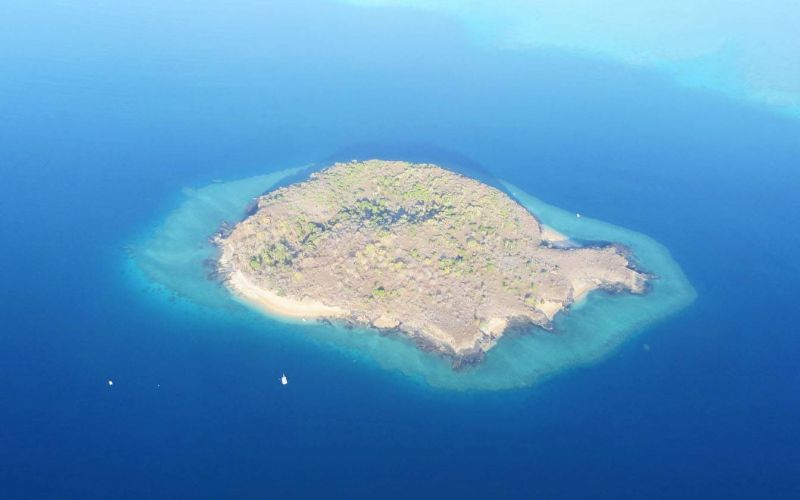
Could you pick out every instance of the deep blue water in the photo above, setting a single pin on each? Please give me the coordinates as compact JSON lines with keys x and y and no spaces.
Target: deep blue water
{"x":107,"y":112}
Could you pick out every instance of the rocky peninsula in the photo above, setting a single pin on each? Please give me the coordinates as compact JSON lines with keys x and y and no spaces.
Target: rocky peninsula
{"x":416,"y":249}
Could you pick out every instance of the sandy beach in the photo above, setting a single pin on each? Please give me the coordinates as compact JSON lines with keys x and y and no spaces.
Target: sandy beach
{"x":272,"y":303}
{"x":316,"y":249}
{"x":551,"y":235}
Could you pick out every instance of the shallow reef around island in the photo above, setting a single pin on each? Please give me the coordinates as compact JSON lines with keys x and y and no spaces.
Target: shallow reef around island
{"x":176,"y":255}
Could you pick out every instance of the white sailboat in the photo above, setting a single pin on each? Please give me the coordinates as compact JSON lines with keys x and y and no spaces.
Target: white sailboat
{"x":284,"y":380}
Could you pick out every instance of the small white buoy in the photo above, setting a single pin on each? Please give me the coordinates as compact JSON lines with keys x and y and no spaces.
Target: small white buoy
{"x":110,"y":382}
{"x":578,"y":215}
{"x":284,"y":380}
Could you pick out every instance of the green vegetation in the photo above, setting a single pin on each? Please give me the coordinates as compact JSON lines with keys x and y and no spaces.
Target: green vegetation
{"x":277,"y":254}
{"x":417,"y":193}
{"x":530,"y":297}
{"x":453,"y":265}
{"x":413,"y":245}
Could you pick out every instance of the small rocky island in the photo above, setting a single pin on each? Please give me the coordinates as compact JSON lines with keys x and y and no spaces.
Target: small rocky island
{"x":413,"y":248}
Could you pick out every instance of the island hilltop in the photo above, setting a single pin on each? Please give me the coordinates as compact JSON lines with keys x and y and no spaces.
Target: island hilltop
{"x":414,"y":248}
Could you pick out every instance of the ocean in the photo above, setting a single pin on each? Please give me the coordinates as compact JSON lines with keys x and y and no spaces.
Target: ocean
{"x":114,"y":117}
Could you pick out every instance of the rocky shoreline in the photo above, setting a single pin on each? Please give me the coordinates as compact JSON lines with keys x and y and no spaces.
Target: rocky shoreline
{"x":412,"y":250}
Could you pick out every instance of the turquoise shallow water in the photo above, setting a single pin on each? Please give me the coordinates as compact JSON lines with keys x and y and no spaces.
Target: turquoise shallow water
{"x":741,"y":49}
{"x":110,"y":109}
{"x":176,"y":257}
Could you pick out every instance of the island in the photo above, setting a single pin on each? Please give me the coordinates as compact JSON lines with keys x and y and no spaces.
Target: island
{"x":415,"y":249}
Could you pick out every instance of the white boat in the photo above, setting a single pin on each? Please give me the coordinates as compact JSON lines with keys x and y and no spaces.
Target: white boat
{"x":284,"y":380}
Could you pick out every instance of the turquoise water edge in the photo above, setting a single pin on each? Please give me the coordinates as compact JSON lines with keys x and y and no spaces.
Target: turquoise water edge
{"x":110,"y":109}
{"x":176,"y":256}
